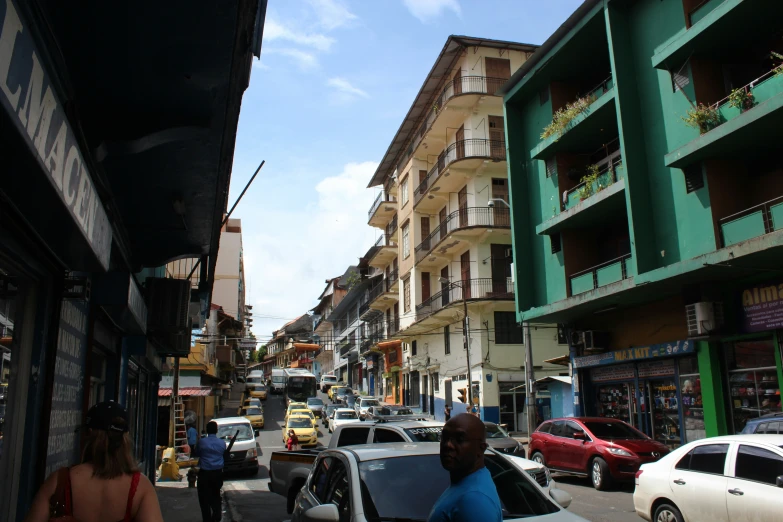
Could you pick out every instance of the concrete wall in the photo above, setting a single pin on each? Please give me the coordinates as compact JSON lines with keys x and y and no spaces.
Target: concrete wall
{"x":226,"y":290}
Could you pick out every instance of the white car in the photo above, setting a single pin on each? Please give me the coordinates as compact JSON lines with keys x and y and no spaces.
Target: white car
{"x":732,"y":478}
{"x":341,"y":416}
{"x":363,"y":404}
{"x":403,"y":480}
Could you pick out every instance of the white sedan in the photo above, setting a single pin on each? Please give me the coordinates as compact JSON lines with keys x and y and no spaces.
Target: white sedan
{"x":733,"y":478}
{"x":341,"y":416}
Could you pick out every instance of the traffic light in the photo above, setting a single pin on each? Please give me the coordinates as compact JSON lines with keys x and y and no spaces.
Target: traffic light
{"x":463,"y":395}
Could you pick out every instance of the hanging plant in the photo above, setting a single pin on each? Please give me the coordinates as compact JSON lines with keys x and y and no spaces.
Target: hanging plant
{"x":779,"y":67}
{"x":741,"y":99}
{"x":590,"y":183}
{"x":564,"y":115}
{"x":702,"y":117}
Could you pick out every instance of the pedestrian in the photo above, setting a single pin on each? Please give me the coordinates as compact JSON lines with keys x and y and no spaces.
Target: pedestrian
{"x":107,"y":486}
{"x":447,"y":412}
{"x":211,"y":451}
{"x":472,"y":494}
{"x":475,"y":410}
{"x":192,"y":437}
{"x":293,"y":440}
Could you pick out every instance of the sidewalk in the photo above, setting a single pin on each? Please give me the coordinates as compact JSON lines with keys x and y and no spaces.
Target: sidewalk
{"x":179,"y":503}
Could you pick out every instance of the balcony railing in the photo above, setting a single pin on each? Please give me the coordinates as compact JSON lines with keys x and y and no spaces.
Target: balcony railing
{"x":599,"y":90}
{"x":345,"y":346}
{"x":752,"y":222}
{"x":383,"y":197}
{"x":761,"y":89}
{"x":393,"y":327}
{"x":391,"y":279}
{"x":459,"y":150}
{"x":375,"y":292}
{"x":610,"y":171}
{"x":601,"y":275}
{"x":391,"y":227}
{"x":481,"y":288}
{"x":463,"y":218}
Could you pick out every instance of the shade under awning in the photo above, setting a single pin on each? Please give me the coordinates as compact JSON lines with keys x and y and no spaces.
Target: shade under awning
{"x":307,"y":347}
{"x":195,"y":391}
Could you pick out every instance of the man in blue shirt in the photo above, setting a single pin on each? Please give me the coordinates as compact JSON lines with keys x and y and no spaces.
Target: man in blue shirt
{"x":210,"y":451}
{"x":472,"y":494}
{"x":192,"y":437}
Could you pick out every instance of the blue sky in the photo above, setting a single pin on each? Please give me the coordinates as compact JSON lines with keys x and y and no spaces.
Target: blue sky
{"x":335,"y":79}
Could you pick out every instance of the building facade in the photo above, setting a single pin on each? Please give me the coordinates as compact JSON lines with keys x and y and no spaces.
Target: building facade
{"x":329,"y":298}
{"x":229,"y":288}
{"x":444,"y":211}
{"x":645,"y":185}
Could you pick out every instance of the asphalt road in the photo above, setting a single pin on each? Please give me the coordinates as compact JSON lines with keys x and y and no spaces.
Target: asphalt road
{"x":252,"y":500}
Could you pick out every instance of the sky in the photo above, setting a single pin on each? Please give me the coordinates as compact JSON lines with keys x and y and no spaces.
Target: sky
{"x":335,"y":80}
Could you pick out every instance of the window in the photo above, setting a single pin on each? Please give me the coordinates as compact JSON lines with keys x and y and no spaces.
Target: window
{"x":681,"y":78}
{"x":561,"y":334}
{"x":518,"y":495}
{"x":406,"y":294}
{"x":570,"y":428}
{"x":351,"y":436}
{"x":551,"y":167}
{"x":413,"y":347}
{"x":558,"y":428}
{"x":758,"y":465}
{"x":545,"y":428}
{"x":404,"y":191}
{"x":318,"y":482}
{"x":447,"y":339}
{"x":506,"y":329}
{"x":555,"y":243}
{"x":694,"y":179}
{"x":406,"y":241}
{"x":338,"y":490}
{"x":383,"y":435}
{"x":435,"y":383}
{"x":709,"y":458}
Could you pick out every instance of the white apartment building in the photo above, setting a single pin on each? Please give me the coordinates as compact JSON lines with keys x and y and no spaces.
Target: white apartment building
{"x":229,"y":288}
{"x":444,"y":210}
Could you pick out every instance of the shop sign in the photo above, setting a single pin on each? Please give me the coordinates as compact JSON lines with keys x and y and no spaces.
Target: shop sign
{"x":68,"y":386}
{"x":663,"y":368}
{"x":762,"y":308}
{"x":370,"y":364}
{"x":635,"y":354}
{"x":614,"y":373}
{"x":33,"y":106}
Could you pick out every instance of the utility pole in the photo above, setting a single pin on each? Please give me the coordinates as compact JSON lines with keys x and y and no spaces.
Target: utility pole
{"x":174,"y":395}
{"x":530,"y":394}
{"x":466,"y":342}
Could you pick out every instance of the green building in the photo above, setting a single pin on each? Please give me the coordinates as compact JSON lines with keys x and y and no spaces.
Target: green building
{"x":655,"y":241}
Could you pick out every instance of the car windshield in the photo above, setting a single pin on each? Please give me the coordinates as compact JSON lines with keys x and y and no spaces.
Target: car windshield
{"x":345,"y":415}
{"x":227,"y":431}
{"x":495,"y":432}
{"x":613,"y":430}
{"x":371,"y":402}
{"x":425,"y":434}
{"x":300,"y":423}
{"x":253,"y":411}
{"x":402,"y":411}
{"x":315,"y":402}
{"x":329,"y":379}
{"x":420,"y":480}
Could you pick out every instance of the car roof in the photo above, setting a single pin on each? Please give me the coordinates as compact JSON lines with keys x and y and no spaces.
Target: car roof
{"x":762,"y":438}
{"x":231,"y":420}
{"x":766,"y":418}
{"x":346,"y":409}
{"x":366,"y":452}
{"x":586,"y":419}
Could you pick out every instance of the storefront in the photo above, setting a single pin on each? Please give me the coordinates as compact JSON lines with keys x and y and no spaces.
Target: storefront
{"x":392,"y":377}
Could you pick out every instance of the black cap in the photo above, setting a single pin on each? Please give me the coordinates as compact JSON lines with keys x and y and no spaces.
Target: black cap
{"x":104,"y":415}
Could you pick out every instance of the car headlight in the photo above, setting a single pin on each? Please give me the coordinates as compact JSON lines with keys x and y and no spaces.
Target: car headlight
{"x":620,"y":452}
{"x":251,"y":454}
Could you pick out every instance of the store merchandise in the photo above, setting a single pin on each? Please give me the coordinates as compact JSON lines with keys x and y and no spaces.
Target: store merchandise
{"x":666,"y":417}
{"x":692,"y":408}
{"x":613,"y":402}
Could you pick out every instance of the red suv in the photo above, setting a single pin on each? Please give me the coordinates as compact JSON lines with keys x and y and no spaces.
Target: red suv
{"x":603,"y":449}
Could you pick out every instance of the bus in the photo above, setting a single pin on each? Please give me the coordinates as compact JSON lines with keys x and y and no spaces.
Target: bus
{"x":300,"y":385}
{"x":278,"y":380}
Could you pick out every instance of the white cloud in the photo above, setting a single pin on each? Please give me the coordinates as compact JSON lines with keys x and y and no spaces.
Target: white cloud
{"x":293,"y":252}
{"x":331,"y":14}
{"x":306,"y":61}
{"x":274,"y":30}
{"x":258,"y":64}
{"x":426,"y":10}
{"x":345,"y":87}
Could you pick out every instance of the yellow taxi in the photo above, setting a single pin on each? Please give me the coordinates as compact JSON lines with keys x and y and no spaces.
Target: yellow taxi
{"x":257,"y":390}
{"x":294,"y":406}
{"x":249,"y":403}
{"x":333,"y":390}
{"x":304,"y":412}
{"x":255,"y":415}
{"x":304,"y":429}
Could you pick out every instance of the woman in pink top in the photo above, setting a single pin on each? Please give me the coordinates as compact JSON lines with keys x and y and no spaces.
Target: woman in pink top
{"x":107,"y":485}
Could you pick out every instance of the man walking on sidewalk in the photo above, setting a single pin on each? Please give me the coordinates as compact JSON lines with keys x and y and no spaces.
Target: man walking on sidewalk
{"x":210,"y":451}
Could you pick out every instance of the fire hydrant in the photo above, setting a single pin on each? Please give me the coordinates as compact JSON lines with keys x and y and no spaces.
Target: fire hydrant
{"x":192,"y":475}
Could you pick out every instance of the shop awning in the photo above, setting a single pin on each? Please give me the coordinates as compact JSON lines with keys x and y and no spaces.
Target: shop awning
{"x":186,"y":392}
{"x":306,"y":347}
{"x":554,"y":378}
{"x":562,"y":360}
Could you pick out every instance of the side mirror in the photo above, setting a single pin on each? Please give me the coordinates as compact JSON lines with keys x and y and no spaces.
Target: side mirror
{"x":563,"y":498}
{"x":580,"y":435}
{"x":779,"y":481}
{"x":322,"y":513}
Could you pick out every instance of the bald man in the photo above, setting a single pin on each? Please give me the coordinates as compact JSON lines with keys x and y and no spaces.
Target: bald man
{"x":472,"y":494}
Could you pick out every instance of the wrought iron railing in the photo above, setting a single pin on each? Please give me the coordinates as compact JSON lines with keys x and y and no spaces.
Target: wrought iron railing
{"x":497,"y":217}
{"x":752,"y":222}
{"x":747,"y":88}
{"x":459,"y":150}
{"x":607,"y":175}
{"x":599,"y":90}
{"x":393,"y":327}
{"x":375,"y":292}
{"x":600,"y":275}
{"x":383,"y":197}
{"x":391,"y":279}
{"x":470,"y":289}
{"x":391,"y":227}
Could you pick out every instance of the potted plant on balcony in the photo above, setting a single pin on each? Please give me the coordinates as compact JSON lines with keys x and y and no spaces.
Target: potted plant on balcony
{"x":779,"y":67}
{"x":591,"y":185}
{"x":703,"y":117}
{"x":741,"y":99}
{"x":564,"y":115}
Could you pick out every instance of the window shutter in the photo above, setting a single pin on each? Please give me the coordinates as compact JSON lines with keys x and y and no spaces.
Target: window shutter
{"x":694,"y":179}
{"x":555,"y":242}
{"x":551,"y":167}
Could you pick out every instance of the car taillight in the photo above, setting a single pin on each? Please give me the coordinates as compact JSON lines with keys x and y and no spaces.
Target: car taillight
{"x":636,"y":477}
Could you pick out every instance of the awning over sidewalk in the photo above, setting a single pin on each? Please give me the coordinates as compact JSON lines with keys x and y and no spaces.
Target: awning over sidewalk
{"x":306,"y":347}
{"x":388,"y":345}
{"x":186,"y":392}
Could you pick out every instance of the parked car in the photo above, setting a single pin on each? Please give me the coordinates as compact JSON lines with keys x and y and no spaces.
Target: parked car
{"x":255,"y":415}
{"x":244,"y":453}
{"x":328,"y":413}
{"x":363,"y":404}
{"x":303,"y":428}
{"x":769,"y":424}
{"x":403,"y":481}
{"x":341,"y":416}
{"x":327,"y":381}
{"x":731,"y":478}
{"x":342,"y":395}
{"x":500,"y":440}
{"x":316,"y":405}
{"x":383,"y":411}
{"x":602,"y":449}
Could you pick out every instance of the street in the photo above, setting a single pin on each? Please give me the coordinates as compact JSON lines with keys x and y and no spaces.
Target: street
{"x":249,"y":498}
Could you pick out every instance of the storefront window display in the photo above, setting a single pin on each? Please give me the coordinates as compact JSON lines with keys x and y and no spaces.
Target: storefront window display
{"x":690,"y":392}
{"x":753,"y":380}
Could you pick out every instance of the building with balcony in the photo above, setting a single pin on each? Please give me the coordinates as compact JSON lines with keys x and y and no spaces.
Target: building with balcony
{"x":229,"y":289}
{"x":443,"y":210}
{"x":643,"y":148}
{"x":329,"y":298}
{"x":291,"y":346}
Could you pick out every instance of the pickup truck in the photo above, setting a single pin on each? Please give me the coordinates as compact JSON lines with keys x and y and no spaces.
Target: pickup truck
{"x":288,"y":470}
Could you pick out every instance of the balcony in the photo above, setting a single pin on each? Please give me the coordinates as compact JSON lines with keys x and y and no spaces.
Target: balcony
{"x":481,"y":289}
{"x":392,"y":229}
{"x":740,"y":131}
{"x":226,"y":356}
{"x":382,"y":210}
{"x":345,"y":346}
{"x":393,"y":327}
{"x":385,"y":293}
{"x":752,"y":222}
{"x":468,"y":154}
{"x":385,"y":253}
{"x":459,"y":226}
{"x":602,"y":275}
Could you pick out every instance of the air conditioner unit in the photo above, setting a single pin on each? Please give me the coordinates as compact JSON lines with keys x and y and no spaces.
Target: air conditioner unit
{"x":168,"y":301}
{"x":704,"y":318}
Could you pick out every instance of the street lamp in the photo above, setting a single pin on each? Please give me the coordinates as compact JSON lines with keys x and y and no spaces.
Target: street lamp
{"x":491,"y":202}
{"x":465,"y":335}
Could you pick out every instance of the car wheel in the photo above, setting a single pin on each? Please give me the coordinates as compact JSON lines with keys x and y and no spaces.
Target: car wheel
{"x":599,"y":474}
{"x":667,"y":513}
{"x":538,"y":458}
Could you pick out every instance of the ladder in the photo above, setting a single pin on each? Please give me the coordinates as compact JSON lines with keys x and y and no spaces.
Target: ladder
{"x":180,"y":431}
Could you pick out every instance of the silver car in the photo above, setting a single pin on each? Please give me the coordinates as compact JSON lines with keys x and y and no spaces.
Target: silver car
{"x":363,"y":404}
{"x":316,"y":405}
